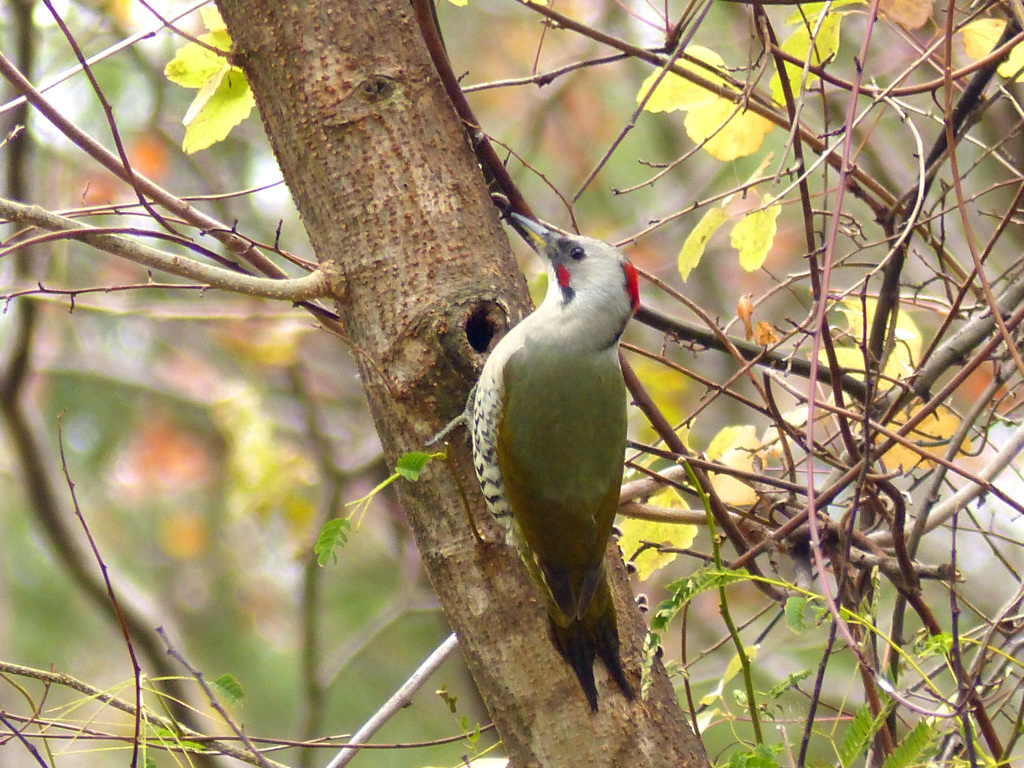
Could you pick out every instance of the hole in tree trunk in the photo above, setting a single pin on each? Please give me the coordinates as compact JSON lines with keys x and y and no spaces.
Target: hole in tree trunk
{"x":480,"y":328}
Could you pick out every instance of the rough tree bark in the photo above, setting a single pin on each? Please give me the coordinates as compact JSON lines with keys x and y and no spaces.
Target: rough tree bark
{"x":424,"y":281}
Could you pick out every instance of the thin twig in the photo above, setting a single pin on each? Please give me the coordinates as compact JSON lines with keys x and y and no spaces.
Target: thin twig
{"x":114,"y":602}
{"x":398,"y":700}
{"x":261,"y":760}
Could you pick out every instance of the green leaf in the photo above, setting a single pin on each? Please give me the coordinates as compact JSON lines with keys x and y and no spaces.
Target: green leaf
{"x":912,"y":746}
{"x":795,"y":618}
{"x":927,"y":645}
{"x":229,"y":104}
{"x":862,"y":730}
{"x":704,"y":580}
{"x":410,"y":465}
{"x":682,"y":592}
{"x":451,"y":701}
{"x":753,"y":236}
{"x":229,"y":688}
{"x":761,"y":756}
{"x":857,"y":737}
{"x":781,"y":687}
{"x":697,"y":240}
{"x":333,"y":536}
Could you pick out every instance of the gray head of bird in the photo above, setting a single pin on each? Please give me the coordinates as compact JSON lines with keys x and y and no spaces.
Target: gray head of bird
{"x":590,"y":283}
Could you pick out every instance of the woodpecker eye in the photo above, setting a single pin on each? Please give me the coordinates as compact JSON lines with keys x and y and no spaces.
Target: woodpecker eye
{"x":577,"y":253}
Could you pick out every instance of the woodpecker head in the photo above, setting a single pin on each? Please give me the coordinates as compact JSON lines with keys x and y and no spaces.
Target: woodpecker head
{"x":587,"y":278}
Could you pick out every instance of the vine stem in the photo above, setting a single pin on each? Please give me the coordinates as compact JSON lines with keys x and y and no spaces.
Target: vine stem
{"x":723,"y":607}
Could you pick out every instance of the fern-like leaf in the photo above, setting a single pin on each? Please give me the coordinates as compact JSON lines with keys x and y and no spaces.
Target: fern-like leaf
{"x":229,"y":688}
{"x":911,"y":747}
{"x":862,"y":729}
{"x":333,"y":536}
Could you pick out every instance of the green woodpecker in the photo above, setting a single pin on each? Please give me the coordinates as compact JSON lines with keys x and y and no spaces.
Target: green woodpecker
{"x":549,"y":435}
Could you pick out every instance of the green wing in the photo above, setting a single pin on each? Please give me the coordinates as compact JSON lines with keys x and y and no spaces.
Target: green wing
{"x":560,"y":447}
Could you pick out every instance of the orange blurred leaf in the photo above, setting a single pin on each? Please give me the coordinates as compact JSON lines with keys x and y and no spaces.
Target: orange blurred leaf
{"x":909,"y":14}
{"x":766,"y":335}
{"x":184,"y":535}
{"x":744,"y":311}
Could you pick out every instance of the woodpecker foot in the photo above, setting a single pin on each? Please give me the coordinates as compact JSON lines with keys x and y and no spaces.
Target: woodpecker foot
{"x":450,"y":427}
{"x":464,"y":418}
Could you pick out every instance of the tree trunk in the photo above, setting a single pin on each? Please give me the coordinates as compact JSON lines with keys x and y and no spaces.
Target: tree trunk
{"x":399,"y":215}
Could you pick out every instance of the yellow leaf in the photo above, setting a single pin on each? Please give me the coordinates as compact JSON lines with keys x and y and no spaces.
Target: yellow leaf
{"x":809,"y":10}
{"x":981,"y":36}
{"x":933,"y":434}
{"x":697,"y":240}
{"x":675,"y":92}
{"x":206,"y":92}
{"x":850,"y":359}
{"x":193,"y":65}
{"x":770,"y":441}
{"x":229,"y":104}
{"x":753,"y":236}
{"x":705,"y":717}
{"x":735,"y":447}
{"x":120,"y":11}
{"x":750,"y":180}
{"x":858,"y":316}
{"x":766,"y":335}
{"x":677,"y":535}
{"x":727,"y":438}
{"x":212,"y":19}
{"x":1014,"y":64}
{"x":731,"y":671}
{"x":725,"y":133}
{"x":666,"y":387}
{"x":735,"y":665}
{"x":825,"y":46}
{"x":906,"y":351}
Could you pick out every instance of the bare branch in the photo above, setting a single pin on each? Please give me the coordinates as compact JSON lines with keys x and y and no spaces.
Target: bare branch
{"x":314,"y":285}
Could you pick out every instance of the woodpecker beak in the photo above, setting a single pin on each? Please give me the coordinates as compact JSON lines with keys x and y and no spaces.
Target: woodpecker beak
{"x":532,"y":232}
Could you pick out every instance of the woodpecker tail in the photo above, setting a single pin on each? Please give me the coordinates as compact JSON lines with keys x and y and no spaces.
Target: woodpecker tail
{"x":595,"y":634}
